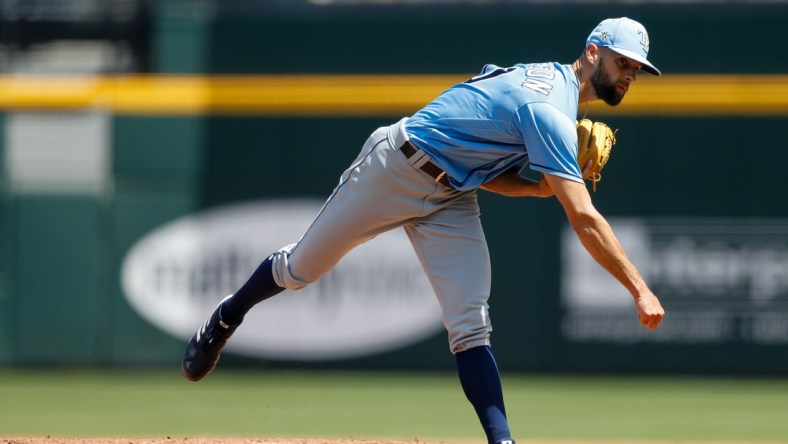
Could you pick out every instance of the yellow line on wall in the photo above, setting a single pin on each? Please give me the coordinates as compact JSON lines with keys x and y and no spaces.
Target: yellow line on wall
{"x":362,"y":95}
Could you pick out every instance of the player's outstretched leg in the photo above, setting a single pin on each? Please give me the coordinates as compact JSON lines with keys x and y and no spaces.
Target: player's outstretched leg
{"x":481,"y":383}
{"x":203,"y":350}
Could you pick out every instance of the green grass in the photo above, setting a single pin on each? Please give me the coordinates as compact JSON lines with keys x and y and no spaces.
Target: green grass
{"x":391,"y":405}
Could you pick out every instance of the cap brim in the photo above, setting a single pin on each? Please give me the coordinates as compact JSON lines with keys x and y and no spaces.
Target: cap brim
{"x":647,"y":66}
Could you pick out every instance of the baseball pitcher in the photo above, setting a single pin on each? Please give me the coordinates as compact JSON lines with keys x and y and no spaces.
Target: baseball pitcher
{"x":423,"y":174}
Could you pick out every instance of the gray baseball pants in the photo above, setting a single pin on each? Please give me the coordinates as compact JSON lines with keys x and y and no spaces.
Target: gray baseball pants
{"x":383,"y":190}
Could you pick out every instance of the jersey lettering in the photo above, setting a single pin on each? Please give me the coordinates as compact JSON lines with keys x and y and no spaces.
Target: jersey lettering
{"x":538,"y":71}
{"x":537,"y":85}
{"x":543,"y":73}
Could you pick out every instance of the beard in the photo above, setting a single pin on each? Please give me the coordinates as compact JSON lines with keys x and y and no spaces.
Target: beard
{"x":604,"y":88}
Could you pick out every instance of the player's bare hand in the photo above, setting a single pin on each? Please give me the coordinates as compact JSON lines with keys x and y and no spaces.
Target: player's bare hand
{"x":650,"y":311}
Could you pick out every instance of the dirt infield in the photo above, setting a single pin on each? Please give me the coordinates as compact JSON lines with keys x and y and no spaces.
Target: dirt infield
{"x":59,"y":440}
{"x":53,"y":440}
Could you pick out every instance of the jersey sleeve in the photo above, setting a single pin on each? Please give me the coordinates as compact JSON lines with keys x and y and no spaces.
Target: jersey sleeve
{"x":550,"y":140}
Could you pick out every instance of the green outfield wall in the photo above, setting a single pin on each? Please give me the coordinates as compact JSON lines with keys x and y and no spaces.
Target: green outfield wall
{"x":698,"y":195}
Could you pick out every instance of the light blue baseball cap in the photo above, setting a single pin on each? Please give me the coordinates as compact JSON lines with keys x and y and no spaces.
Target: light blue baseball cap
{"x":626,"y":37}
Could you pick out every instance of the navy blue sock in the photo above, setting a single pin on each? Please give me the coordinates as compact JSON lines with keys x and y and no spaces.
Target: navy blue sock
{"x":481,"y":383}
{"x":259,"y":287}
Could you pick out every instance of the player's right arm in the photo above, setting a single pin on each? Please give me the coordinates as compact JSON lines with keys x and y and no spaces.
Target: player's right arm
{"x":511,"y":184}
{"x":598,"y":238}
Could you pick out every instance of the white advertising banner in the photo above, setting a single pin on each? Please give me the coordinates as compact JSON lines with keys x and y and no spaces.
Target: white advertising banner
{"x":376,"y":299}
{"x":720,"y":280}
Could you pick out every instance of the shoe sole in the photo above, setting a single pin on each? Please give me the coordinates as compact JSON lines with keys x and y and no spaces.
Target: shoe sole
{"x":191,"y":377}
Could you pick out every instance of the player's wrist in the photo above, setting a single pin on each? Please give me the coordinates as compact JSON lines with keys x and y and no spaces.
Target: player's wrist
{"x":640,"y":290}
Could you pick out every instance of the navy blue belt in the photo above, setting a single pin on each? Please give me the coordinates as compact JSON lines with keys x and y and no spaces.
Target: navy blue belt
{"x":430,"y":168}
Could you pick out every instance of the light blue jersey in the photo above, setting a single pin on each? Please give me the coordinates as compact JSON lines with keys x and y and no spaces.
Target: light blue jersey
{"x":503,"y":118}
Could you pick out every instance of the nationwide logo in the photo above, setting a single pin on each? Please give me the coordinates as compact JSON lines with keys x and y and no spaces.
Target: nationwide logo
{"x":376,"y":299}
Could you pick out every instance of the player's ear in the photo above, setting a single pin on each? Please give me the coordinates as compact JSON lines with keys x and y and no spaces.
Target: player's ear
{"x":591,"y":54}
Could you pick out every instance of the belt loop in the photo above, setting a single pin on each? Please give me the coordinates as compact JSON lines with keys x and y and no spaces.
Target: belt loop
{"x":419,"y":159}
{"x":397,"y":135}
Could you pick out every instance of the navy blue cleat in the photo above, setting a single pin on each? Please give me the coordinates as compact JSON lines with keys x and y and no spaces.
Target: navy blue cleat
{"x":204,"y":348}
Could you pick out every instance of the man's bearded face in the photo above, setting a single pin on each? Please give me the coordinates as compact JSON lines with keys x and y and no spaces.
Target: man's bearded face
{"x":604,"y":87}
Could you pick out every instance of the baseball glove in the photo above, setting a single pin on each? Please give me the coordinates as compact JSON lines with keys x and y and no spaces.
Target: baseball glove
{"x":594,"y":141}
